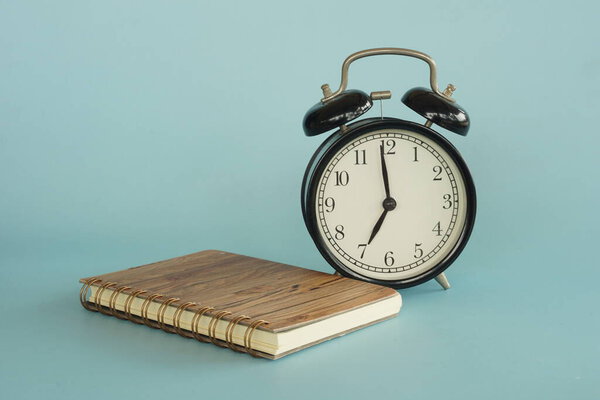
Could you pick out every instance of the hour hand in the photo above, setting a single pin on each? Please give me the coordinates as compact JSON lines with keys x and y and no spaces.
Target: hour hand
{"x":377,"y":226}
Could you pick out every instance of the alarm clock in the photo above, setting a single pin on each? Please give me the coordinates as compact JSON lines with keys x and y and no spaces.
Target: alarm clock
{"x":385,"y":200}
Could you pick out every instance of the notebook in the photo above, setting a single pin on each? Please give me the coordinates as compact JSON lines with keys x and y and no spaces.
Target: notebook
{"x":246,"y":304}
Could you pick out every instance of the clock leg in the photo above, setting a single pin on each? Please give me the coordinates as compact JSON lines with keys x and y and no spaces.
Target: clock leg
{"x":443,"y":281}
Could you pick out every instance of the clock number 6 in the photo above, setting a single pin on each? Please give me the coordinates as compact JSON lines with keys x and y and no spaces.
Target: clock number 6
{"x":388,"y":259}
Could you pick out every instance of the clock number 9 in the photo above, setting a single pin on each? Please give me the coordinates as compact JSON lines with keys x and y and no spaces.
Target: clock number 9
{"x":329,"y":204}
{"x":447,"y":201}
{"x":339,"y":232}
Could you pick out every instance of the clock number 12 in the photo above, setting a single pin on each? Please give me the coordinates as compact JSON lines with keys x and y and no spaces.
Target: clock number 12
{"x":391,"y":143}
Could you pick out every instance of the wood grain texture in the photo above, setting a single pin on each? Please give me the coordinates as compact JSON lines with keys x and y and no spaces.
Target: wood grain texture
{"x":286,"y":296}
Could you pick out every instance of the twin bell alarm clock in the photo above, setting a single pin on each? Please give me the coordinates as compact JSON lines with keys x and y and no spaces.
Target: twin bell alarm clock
{"x":385,"y":200}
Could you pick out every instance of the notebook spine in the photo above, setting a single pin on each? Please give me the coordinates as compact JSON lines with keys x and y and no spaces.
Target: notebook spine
{"x":173,"y":326}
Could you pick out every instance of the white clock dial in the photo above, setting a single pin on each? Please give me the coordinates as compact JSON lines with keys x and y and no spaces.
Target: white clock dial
{"x":430,"y":199}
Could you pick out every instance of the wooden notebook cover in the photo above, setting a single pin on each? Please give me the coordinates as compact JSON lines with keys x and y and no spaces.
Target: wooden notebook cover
{"x":287,"y":297}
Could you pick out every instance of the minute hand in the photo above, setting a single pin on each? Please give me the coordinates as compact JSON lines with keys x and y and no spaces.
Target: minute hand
{"x":386,"y":182}
{"x":389,"y":203}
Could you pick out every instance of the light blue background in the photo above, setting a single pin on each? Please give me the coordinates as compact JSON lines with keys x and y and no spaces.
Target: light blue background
{"x":136,"y":131}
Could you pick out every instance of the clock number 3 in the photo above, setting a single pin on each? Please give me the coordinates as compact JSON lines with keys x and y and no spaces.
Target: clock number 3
{"x":447,"y":201}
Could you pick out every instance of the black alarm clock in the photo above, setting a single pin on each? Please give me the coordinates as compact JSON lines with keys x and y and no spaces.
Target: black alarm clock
{"x":385,"y":200}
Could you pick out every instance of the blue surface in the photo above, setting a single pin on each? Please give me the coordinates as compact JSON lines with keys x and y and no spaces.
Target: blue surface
{"x":131,"y":133}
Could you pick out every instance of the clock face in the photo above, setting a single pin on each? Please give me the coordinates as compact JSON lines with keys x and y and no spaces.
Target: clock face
{"x":391,"y":204}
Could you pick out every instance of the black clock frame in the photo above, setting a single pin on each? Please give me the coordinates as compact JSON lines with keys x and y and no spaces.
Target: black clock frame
{"x":340,"y":139}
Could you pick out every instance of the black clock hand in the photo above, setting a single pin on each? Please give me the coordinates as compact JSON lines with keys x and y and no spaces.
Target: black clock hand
{"x":389,"y":203}
{"x":377,"y":226}
{"x":384,"y":172}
